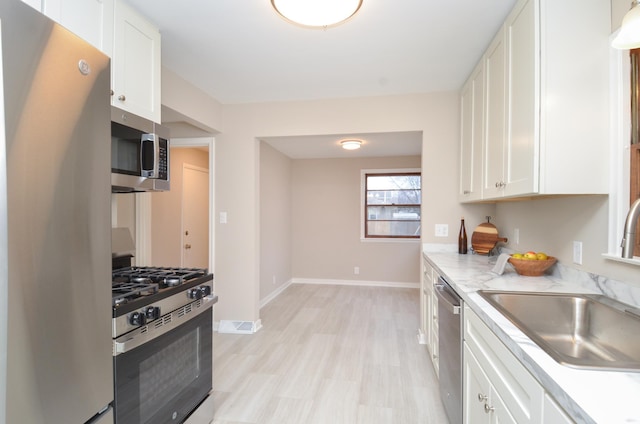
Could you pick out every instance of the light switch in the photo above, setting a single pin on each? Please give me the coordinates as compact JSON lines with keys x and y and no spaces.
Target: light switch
{"x":223,"y":217}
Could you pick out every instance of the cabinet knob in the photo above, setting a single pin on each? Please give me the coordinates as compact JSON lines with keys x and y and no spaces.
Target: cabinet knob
{"x":187,"y":246}
{"x":122,"y":98}
{"x":488,"y":409}
{"x":112,"y":93}
{"x":482,"y":398}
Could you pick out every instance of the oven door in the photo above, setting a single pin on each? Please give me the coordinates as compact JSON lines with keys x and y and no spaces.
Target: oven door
{"x":165,"y":379}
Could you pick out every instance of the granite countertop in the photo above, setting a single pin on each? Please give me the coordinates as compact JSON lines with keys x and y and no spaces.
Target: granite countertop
{"x":588,"y":396}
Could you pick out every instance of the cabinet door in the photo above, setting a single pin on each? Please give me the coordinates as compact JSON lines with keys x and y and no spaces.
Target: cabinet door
{"x":135,"y":64}
{"x":493,"y":175}
{"x":434,"y":328}
{"x":498,"y":411}
{"x":92,"y":20}
{"x":471,"y":140}
{"x":425,"y":305}
{"x":553,"y":414}
{"x":36,"y":4}
{"x":477,"y":390}
{"x":482,"y":403}
{"x":521,"y":173}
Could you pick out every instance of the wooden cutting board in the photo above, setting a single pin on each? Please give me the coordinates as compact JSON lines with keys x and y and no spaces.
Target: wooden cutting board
{"x":485,"y":237}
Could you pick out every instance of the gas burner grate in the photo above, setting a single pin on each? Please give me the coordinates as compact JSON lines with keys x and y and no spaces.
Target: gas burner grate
{"x":122,"y":292}
{"x":166,"y":277}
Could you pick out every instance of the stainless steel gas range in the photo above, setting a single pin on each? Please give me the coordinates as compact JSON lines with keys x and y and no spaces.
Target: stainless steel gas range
{"x":162,"y":342}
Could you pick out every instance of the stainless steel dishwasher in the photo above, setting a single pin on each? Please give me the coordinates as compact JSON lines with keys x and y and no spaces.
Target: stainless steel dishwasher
{"x":450,"y":347}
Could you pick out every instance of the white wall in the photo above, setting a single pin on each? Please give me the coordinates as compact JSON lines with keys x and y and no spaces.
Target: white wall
{"x":190,"y":102}
{"x":237,"y":174}
{"x":275,"y":220}
{"x":327,"y":222}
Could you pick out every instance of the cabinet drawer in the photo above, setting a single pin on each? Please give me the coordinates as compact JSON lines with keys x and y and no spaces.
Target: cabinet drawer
{"x":515,"y":385}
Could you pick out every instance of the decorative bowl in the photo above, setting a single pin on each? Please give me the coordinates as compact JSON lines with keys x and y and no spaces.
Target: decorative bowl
{"x":532,"y":267}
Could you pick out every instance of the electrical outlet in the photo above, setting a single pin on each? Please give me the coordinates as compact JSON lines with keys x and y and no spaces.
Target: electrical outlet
{"x":516,"y":236}
{"x":356,"y":270}
{"x":577,"y":252}
{"x":442,"y":230}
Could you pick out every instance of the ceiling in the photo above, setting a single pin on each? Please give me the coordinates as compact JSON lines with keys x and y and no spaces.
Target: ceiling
{"x":241,"y":51}
{"x":406,"y":143}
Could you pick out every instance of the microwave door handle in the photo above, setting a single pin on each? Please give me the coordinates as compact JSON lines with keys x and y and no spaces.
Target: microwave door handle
{"x":154,"y":171}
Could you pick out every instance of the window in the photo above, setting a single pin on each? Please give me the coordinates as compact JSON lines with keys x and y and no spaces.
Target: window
{"x":634,"y":173}
{"x":623,"y":151}
{"x":392,"y":202}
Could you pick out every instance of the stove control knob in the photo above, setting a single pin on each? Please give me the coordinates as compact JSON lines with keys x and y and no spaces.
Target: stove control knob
{"x":206,"y":290}
{"x":152,"y":312}
{"x":137,"y":318}
{"x":195,"y":293}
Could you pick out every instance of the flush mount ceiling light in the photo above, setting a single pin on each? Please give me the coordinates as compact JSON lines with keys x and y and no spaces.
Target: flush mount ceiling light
{"x":316,"y":13}
{"x":351,"y":144}
{"x":629,"y":35}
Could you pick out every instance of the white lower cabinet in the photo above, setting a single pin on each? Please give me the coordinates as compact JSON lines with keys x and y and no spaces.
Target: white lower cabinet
{"x":425,"y":303}
{"x":497,"y":387}
{"x":553,"y":413}
{"x":429,"y":314}
{"x":433,"y":343}
{"x":482,"y":403}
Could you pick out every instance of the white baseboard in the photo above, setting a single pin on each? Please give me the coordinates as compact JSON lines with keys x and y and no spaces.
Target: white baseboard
{"x":392,"y":284}
{"x":274,"y":294}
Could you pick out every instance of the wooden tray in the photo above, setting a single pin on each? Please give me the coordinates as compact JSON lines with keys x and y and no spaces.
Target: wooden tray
{"x":485,"y":237}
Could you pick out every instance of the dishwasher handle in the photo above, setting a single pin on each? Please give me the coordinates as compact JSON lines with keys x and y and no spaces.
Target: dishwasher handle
{"x":447,"y":297}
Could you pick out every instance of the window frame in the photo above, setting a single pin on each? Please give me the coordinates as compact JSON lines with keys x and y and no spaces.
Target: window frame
{"x":620,"y":157}
{"x":363,"y":205}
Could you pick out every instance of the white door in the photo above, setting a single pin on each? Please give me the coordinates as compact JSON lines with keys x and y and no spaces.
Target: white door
{"x":195,"y":217}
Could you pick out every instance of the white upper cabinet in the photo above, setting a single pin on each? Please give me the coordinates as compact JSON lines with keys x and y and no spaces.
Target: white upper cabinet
{"x":472,"y":128}
{"x":132,"y":42}
{"x":493,"y":151}
{"x":521,"y":153}
{"x":546,"y":117}
{"x":36,"y":4}
{"x":135,"y":66}
{"x":90,"y":19}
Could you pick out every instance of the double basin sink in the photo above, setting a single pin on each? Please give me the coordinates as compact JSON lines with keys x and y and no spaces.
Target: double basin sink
{"x":578,"y":330}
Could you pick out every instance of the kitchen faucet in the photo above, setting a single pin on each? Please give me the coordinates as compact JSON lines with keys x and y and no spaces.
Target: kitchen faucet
{"x":629,"y":236}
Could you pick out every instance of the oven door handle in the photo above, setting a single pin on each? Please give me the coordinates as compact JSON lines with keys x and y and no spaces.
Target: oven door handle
{"x":162,"y":325}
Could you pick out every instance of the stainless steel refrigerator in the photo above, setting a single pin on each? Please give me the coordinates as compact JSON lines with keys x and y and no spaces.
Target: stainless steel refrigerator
{"x":55,"y":224}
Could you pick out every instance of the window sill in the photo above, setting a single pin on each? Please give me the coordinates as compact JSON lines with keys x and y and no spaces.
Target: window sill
{"x":635,"y":261}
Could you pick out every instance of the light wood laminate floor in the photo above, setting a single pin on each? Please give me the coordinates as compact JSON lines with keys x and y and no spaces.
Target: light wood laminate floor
{"x":328,"y":355}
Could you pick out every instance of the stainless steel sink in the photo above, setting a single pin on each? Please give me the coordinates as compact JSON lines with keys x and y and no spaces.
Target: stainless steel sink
{"x":583,"y":331}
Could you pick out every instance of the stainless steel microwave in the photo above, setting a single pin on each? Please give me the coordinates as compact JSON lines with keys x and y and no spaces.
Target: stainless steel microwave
{"x":139,"y":154}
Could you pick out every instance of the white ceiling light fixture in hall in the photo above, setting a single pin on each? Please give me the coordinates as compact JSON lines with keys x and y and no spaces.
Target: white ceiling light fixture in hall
{"x":629,"y":35}
{"x":351,"y":144}
{"x":316,"y":13}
